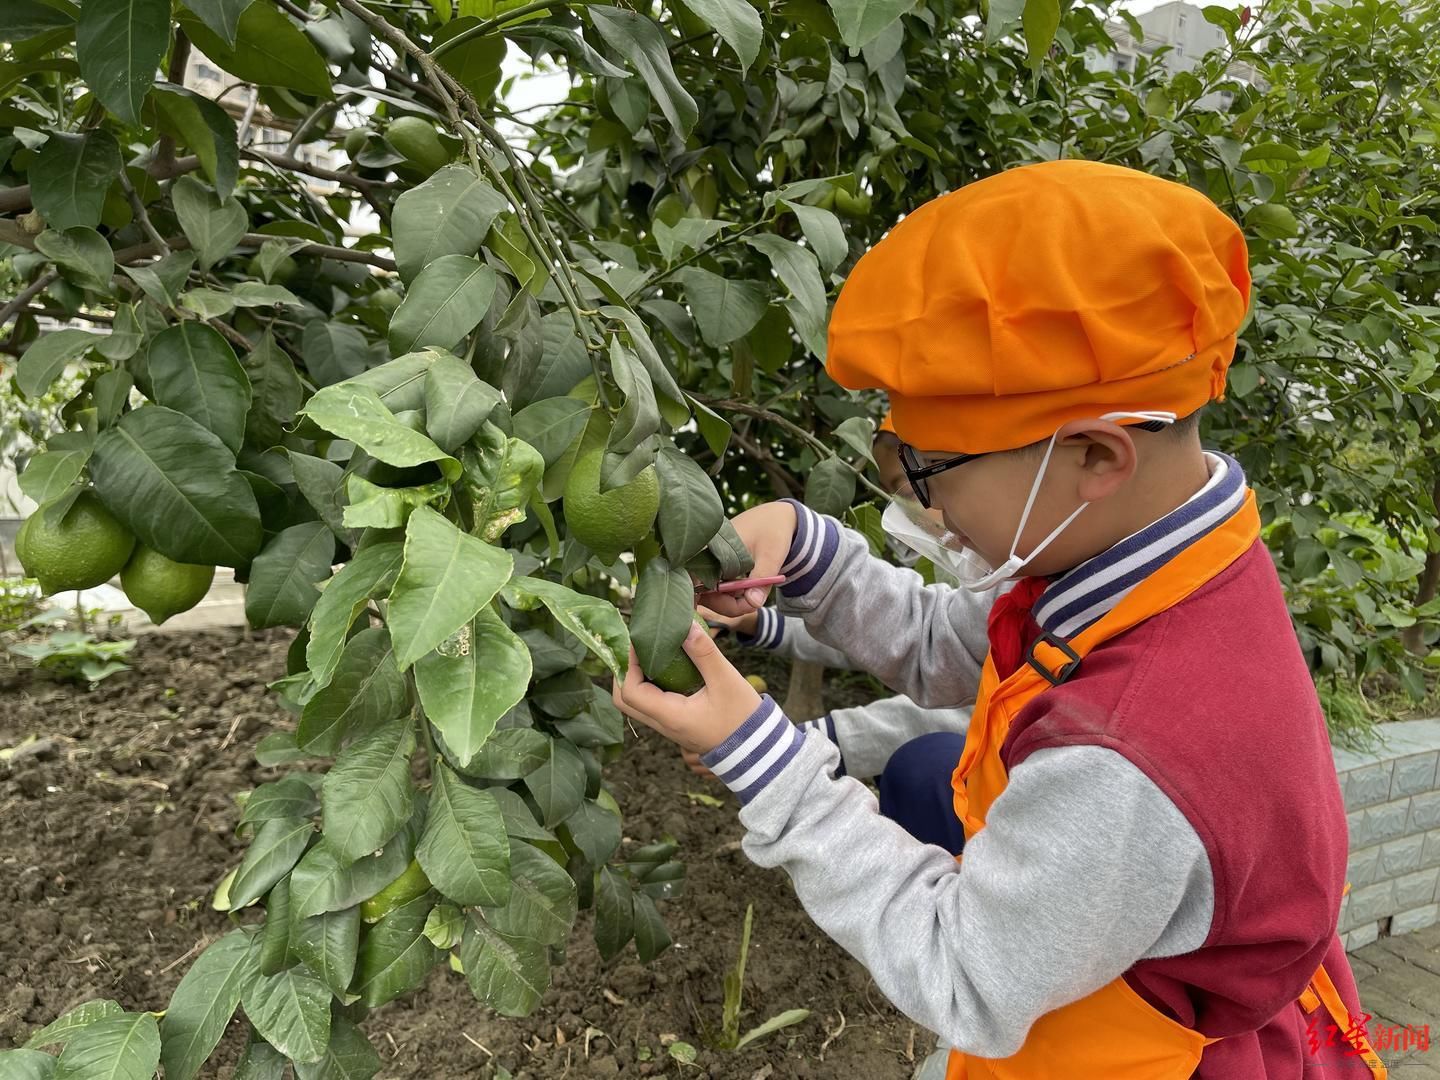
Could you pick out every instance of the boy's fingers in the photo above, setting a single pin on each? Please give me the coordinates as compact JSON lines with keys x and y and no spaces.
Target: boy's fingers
{"x":708,"y":658}
{"x":732,"y":605}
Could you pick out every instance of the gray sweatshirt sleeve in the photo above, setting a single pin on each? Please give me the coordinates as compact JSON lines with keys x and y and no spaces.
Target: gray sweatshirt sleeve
{"x":869,"y":734}
{"x":925,"y":641}
{"x":1084,"y":868}
{"x":787,"y":636}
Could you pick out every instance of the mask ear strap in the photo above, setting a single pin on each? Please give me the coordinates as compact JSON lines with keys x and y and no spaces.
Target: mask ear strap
{"x":1030,"y":502}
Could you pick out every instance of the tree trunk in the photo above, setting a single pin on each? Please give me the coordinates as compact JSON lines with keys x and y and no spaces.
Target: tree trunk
{"x":805,"y":700}
{"x":1413,"y":637}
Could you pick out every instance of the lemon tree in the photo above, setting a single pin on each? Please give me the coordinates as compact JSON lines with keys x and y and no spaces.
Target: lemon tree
{"x":455,"y":388}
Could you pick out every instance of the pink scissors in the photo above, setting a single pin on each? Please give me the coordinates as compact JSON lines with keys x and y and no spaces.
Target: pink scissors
{"x":742,"y":584}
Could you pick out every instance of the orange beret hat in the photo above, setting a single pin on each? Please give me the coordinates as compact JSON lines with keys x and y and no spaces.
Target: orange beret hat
{"x":995,"y":314}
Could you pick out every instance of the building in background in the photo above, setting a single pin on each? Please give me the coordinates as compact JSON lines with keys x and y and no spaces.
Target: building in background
{"x":1177,"y":27}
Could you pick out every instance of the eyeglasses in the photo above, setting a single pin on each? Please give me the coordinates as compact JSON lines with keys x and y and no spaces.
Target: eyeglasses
{"x":919,"y":474}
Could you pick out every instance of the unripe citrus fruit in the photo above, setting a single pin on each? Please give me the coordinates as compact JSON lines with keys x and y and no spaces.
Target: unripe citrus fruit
{"x":402,"y":890}
{"x":419,"y":142}
{"x":680,"y":676}
{"x":758,"y":683}
{"x":162,"y":587}
{"x":612,"y":521}
{"x":87,"y":548}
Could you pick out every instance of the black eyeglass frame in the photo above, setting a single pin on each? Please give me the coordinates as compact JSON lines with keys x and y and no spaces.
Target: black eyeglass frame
{"x":918,"y":475}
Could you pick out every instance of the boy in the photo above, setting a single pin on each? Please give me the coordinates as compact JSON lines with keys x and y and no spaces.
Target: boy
{"x":1155,"y":841}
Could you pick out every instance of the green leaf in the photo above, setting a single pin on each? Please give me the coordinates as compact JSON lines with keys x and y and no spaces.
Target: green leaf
{"x":368,"y":795}
{"x":194,"y":371}
{"x":367,"y":690}
{"x":395,"y":955}
{"x":201,"y":125}
{"x":830,"y":487}
{"x":272,"y":945}
{"x":774,"y":1024}
{"x":690,"y":508}
{"x":861,"y":21}
{"x":110,"y":394}
{"x":273,"y":853}
{"x":355,"y":412}
{"x":325,"y":881}
{"x":1223,"y":17}
{"x":467,"y":689}
{"x":281,"y":590}
{"x":449,"y":214}
{"x":500,"y":475}
{"x":1273,"y":221}
{"x":287,"y":798}
{"x":201,"y":1006}
{"x":269,"y":51}
{"x":213,"y":225}
{"x":614,"y":915}
{"x":328,"y":944}
{"x":798,"y":270}
{"x":508,"y":974}
{"x":476,"y":63}
{"x":124,"y":1047}
{"x":664,"y":610}
{"x":26,"y":1064}
{"x":379,"y":507}
{"x":119,"y":44}
{"x":520,"y":823}
{"x":333,"y":352}
{"x":737,"y":23}
{"x":124,"y":337}
{"x":447,"y":300}
{"x":686,"y":234}
{"x":858,"y":433}
{"x":594,"y":622}
{"x":291,"y":1011}
{"x":50,"y":473}
{"x":163,"y":279}
{"x":542,"y":902}
{"x":673,"y":405}
{"x":1040,"y":20}
{"x":558,"y":783}
{"x":551,"y":426}
{"x":260,"y":1061}
{"x":24,"y":19}
{"x":822,"y":230}
{"x":46,"y":359}
{"x":369,"y":574}
{"x":651,"y":936}
{"x":638,"y":39}
{"x":175,"y":486}
{"x":595,"y":831}
{"x":400,"y":383}
{"x":349,"y":1056}
{"x":509,"y":754}
{"x":82,"y":252}
{"x":1270,"y":151}
{"x":725,"y":309}
{"x":65,"y":1027}
{"x":446,"y":578}
{"x":640,"y":416}
{"x":445,"y":926}
{"x":221,"y":16}
{"x":70,"y":175}
{"x":275,"y":392}
{"x":464,"y":851}
{"x":456,"y":401}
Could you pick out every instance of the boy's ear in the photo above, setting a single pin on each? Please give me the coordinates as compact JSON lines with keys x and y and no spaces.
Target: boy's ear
{"x":1109,"y":456}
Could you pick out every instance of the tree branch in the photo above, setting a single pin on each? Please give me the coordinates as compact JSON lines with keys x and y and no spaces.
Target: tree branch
{"x":16,"y":199}
{"x":39,"y":285}
{"x":294,"y":164}
{"x":326,"y":251}
{"x":138,"y":208}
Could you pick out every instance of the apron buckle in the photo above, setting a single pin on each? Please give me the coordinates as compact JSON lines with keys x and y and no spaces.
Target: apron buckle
{"x":1054,"y":678}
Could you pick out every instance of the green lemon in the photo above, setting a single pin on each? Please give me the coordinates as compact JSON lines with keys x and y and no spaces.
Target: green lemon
{"x":87,"y":548}
{"x":612,"y":521}
{"x":402,"y":890}
{"x":419,"y":142}
{"x":680,"y":676}
{"x":162,"y":587}
{"x":758,"y":683}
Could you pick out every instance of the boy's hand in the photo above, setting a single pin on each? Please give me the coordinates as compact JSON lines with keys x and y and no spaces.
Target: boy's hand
{"x":767,"y":530}
{"x":736,"y":624}
{"x":692,"y":759}
{"x":698,"y":722}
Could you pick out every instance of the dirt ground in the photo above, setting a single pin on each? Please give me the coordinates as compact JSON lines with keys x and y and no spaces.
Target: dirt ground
{"x":118,"y":821}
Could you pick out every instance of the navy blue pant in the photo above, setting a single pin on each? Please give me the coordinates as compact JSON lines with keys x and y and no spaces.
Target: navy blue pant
{"x":915,"y":790}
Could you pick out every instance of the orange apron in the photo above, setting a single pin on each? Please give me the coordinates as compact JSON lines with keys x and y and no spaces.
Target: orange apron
{"x":1114,"y":1033}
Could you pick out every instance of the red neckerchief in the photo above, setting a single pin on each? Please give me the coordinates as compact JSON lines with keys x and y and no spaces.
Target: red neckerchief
{"x":1012,"y":627}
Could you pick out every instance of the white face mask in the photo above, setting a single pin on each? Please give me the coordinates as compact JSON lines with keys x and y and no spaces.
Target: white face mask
{"x":906,"y":521}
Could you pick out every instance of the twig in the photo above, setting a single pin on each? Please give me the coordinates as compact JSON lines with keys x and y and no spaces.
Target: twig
{"x":478,"y":1045}
{"x":13,"y":200}
{"x":499,"y":20}
{"x":746,"y":409}
{"x":138,"y":207}
{"x":294,"y":164}
{"x":327,"y":251}
{"x":204,"y":941}
{"x":831,"y":1036}
{"x":56,"y":313}
{"x":287,"y":6}
{"x":39,"y":285}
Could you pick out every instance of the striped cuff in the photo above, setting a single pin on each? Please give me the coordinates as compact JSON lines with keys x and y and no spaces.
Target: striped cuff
{"x":757,"y":751}
{"x":826,"y":727}
{"x":769,"y":630}
{"x":817,"y":538}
